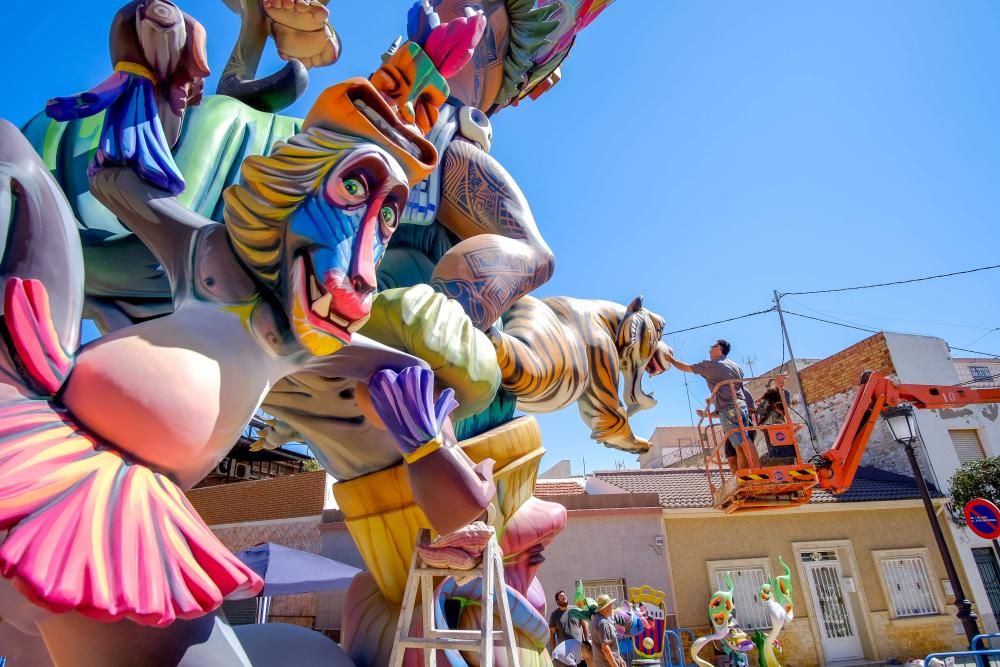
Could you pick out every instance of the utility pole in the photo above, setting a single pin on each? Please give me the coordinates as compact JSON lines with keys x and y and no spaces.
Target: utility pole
{"x":795,"y":368}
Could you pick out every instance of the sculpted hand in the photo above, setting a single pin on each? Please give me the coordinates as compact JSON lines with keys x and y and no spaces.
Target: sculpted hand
{"x":301,"y":31}
{"x":448,"y":486}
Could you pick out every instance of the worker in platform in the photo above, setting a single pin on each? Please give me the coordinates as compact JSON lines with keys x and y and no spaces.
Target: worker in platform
{"x":731,"y":410}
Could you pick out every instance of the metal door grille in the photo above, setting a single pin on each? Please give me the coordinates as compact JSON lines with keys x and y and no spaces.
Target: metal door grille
{"x":909,"y":586}
{"x":833,"y":615}
{"x":989,"y":572}
{"x":746,"y":584}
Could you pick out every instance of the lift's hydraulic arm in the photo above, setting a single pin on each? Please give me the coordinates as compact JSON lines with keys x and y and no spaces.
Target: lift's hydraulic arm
{"x":837,"y":466}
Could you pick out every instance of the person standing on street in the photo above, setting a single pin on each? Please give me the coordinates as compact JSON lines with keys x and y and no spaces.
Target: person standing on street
{"x":561,"y":625}
{"x":603,"y":636}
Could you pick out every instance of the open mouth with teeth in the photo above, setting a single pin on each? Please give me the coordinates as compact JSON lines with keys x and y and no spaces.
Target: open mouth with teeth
{"x":374,"y":108}
{"x":317,"y":307}
{"x":658,"y":362}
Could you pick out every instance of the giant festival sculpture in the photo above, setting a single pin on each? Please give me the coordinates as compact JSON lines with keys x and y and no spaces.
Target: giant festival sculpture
{"x":363,"y":275}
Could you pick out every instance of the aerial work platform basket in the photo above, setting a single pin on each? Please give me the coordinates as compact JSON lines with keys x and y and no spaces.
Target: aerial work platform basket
{"x":770,"y":473}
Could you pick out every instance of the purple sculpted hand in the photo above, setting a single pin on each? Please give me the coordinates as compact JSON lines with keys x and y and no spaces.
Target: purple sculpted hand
{"x":450,"y":489}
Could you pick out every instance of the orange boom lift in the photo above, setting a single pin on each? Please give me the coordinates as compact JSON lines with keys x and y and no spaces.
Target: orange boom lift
{"x":771,"y":482}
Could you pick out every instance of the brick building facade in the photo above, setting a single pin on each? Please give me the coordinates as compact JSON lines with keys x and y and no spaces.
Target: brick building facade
{"x":949,"y":437}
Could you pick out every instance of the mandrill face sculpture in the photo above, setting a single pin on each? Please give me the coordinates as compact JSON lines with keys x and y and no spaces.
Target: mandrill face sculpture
{"x":335,"y":241}
{"x":312,"y":220}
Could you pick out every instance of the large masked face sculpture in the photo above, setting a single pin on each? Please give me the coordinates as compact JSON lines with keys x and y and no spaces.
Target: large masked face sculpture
{"x":334,"y":242}
{"x":313,"y":219}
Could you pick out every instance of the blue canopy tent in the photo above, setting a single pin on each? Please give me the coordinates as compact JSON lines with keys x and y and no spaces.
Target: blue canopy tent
{"x":287,"y":571}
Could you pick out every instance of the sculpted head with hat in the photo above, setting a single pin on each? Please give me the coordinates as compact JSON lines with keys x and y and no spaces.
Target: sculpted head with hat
{"x":312,"y":219}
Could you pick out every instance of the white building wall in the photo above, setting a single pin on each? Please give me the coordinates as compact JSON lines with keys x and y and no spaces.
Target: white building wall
{"x":597,"y":544}
{"x":927,"y":360}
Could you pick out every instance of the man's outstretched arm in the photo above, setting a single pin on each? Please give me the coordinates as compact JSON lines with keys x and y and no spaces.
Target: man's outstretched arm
{"x":680,"y":365}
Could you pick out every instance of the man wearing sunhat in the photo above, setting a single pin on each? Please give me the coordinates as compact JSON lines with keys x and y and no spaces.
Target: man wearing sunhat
{"x":602,"y":635}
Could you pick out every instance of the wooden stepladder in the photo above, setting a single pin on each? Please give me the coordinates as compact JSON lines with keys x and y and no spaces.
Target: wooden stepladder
{"x":482,"y":641}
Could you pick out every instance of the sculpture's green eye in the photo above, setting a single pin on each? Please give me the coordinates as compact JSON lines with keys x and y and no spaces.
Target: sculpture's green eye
{"x":388,"y":217}
{"x":354,"y":187}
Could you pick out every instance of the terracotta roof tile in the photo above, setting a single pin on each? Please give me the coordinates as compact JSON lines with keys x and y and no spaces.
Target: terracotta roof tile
{"x":283,"y":497}
{"x":551,"y":488}
{"x":688,"y":488}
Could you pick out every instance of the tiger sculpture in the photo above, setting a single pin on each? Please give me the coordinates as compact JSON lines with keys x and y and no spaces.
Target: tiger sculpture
{"x":559,"y":350}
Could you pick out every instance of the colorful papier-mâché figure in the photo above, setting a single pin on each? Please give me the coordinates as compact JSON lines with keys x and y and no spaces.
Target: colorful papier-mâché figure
{"x":776,"y":596}
{"x":159,"y":59}
{"x":726,"y":629}
{"x":99,"y":442}
{"x":302,"y":35}
{"x":501,"y":255}
{"x":467,"y":228}
{"x":558,"y":350}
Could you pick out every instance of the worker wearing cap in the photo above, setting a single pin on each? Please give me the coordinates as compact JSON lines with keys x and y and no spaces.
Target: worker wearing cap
{"x":603,"y":637}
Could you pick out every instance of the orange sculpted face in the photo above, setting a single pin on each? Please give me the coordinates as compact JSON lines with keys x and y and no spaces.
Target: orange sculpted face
{"x":411,"y":85}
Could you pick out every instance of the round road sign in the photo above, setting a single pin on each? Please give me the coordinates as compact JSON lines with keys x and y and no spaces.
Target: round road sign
{"x":983,"y":517}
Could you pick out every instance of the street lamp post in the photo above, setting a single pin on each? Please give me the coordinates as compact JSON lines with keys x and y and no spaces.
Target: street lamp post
{"x":902,"y":424}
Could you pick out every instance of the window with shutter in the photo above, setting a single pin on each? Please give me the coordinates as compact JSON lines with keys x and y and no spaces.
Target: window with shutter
{"x":908,"y":586}
{"x":967,"y":444}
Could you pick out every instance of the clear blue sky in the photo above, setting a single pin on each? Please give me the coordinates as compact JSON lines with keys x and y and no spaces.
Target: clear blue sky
{"x":705,"y":154}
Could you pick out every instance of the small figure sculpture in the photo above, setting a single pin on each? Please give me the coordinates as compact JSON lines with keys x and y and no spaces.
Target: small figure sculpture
{"x":630,"y":619}
{"x":158,"y":54}
{"x":776,"y":596}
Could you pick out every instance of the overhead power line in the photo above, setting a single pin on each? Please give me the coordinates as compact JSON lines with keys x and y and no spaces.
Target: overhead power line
{"x":894,"y":282}
{"x":839,"y":324}
{"x":985,"y":354}
{"x":851,"y":326}
{"x":728,"y":319}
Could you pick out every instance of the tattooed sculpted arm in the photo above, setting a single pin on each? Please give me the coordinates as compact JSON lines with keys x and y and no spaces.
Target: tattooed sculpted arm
{"x":502,"y":256}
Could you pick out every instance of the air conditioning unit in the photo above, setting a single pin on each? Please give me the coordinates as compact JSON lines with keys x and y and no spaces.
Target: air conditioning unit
{"x":242,"y":471}
{"x":223,"y":467}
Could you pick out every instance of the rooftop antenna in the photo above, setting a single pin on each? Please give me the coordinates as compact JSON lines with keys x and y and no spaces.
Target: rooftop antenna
{"x":750,"y":361}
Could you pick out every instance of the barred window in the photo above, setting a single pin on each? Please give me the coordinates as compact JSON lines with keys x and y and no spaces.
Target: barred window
{"x":981,"y":373}
{"x":908,"y":585}
{"x":748,"y":576}
{"x":612,"y":587}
